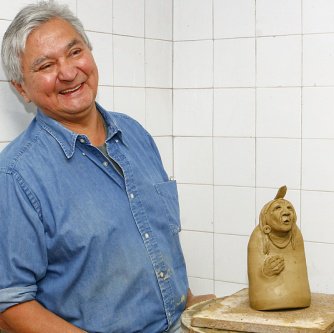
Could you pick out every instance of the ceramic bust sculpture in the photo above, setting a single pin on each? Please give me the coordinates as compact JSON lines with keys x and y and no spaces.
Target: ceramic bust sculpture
{"x":277,"y":270}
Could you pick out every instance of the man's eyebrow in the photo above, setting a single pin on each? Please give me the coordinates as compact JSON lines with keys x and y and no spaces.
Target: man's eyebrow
{"x":39,"y":60}
{"x":72,"y":43}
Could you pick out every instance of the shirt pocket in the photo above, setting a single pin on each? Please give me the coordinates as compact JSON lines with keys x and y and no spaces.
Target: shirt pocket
{"x":168,"y":193}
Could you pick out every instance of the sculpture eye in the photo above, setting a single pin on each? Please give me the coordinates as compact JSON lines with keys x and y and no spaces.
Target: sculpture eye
{"x":277,"y":207}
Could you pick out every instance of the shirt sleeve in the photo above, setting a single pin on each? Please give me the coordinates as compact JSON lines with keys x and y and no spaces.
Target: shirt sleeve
{"x":23,"y":255}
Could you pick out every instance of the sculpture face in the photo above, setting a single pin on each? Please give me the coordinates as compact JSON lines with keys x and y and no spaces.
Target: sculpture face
{"x":281,"y":216}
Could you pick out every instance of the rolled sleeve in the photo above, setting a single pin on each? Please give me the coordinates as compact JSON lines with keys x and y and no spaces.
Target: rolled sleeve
{"x":23,"y":258}
{"x":16,"y":295}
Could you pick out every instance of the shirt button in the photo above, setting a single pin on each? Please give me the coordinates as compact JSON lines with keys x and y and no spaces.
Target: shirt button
{"x":105,"y":163}
{"x":147,"y":236}
{"x":116,"y":141}
{"x":132,"y":195}
{"x":161,"y":274}
{"x":83,"y":154}
{"x":82,"y":140}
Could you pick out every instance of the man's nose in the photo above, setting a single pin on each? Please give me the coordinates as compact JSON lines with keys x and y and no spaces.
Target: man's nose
{"x":67,"y":71}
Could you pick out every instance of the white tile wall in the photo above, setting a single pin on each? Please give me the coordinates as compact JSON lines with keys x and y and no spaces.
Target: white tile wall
{"x":193,"y":160}
{"x":193,"y":64}
{"x":279,"y":61}
{"x":234,"y":112}
{"x":234,"y":18}
{"x":98,"y":19}
{"x":128,"y":61}
{"x":202,"y":286}
{"x":278,"y":162}
{"x":234,"y":62}
{"x":234,"y":161}
{"x":158,"y":61}
{"x":317,"y":112}
{"x":193,"y":108}
{"x":318,"y":164}
{"x":279,"y":112}
{"x":128,"y":17}
{"x":239,"y":101}
{"x":158,"y":18}
{"x":231,"y":258}
{"x":318,"y":60}
{"x":318,"y":16}
{"x":192,"y":19}
{"x":159,"y":111}
{"x":234,"y":210}
{"x":196,"y":207}
{"x":317,"y":215}
{"x":199,"y":258}
{"x":278,"y":17}
{"x":320,"y":271}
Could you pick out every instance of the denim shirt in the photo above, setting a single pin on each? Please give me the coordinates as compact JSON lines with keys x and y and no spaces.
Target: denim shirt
{"x":99,"y":249}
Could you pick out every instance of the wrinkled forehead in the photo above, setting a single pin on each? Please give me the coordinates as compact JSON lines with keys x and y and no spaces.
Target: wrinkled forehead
{"x":280,"y":202}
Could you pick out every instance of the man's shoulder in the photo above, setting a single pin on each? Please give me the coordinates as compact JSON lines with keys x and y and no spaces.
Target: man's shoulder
{"x":17,"y":149}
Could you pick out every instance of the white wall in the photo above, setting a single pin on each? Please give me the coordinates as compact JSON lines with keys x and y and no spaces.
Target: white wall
{"x":253,"y":89}
{"x":238,"y":95}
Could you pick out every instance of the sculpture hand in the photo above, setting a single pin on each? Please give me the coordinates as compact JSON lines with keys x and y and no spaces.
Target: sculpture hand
{"x":273,"y":265}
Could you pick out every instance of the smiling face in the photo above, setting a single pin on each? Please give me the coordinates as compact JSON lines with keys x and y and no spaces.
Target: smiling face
{"x":281,"y":216}
{"x":59,"y":72}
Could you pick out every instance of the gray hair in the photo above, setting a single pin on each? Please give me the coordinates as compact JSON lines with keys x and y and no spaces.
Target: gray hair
{"x":27,"y":20}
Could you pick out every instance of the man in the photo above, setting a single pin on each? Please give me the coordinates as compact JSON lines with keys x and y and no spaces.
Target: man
{"x":88,"y":217}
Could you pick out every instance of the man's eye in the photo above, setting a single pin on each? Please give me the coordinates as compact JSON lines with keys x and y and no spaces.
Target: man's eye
{"x":76,"y":51}
{"x":45,"y":66}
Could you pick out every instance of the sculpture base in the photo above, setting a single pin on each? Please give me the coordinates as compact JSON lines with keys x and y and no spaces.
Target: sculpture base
{"x":233,"y":314}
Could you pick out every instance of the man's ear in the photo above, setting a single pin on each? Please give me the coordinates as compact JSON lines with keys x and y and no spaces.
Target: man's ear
{"x":20,"y":89}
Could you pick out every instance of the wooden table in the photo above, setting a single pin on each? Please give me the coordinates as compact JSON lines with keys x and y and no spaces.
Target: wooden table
{"x":233,"y":314}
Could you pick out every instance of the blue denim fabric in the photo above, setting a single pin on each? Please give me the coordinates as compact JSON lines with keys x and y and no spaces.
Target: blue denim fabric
{"x":97,"y":249}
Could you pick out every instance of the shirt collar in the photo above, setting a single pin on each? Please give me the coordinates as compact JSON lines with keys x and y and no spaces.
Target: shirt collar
{"x":67,"y":139}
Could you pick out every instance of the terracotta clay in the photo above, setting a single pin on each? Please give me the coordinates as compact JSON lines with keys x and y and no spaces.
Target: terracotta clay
{"x":277,"y":270}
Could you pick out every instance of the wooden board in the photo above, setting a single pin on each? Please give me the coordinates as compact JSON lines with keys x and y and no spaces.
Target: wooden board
{"x":233,"y":313}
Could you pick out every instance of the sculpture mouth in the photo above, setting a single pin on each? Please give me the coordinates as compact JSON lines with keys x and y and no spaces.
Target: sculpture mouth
{"x":286,"y":220}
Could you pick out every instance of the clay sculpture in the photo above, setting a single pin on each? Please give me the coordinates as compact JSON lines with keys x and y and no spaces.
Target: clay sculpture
{"x":277,"y":271}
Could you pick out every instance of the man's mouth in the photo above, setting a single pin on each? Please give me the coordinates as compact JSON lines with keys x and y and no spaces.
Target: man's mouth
{"x":69,"y":91}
